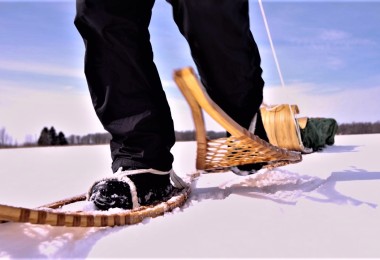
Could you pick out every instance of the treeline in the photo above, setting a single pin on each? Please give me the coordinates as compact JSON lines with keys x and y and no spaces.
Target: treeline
{"x":190,"y":135}
{"x":49,"y":136}
{"x":359,"y":128}
{"x":98,"y":138}
{"x":105,"y":138}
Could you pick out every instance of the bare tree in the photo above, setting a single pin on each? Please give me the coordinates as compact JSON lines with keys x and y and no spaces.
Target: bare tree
{"x":5,"y":139}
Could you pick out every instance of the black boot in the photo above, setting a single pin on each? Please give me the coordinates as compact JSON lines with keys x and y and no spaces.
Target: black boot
{"x":249,"y":169}
{"x":128,"y":190}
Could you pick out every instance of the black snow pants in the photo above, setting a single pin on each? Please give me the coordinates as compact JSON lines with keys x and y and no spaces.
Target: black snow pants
{"x":124,"y":83}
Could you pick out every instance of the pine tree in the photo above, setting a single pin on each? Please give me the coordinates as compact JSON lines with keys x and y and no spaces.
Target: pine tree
{"x":44,"y":138}
{"x":52,"y":136}
{"x":61,"y":139}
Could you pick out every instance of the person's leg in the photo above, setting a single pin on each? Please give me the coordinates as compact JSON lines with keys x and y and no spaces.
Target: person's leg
{"x":124,"y":83}
{"x":129,"y":100}
{"x":225,"y":53}
{"x":227,"y":58}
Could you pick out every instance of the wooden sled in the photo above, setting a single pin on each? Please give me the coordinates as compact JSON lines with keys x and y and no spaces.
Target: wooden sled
{"x":283,"y":128}
{"x":51,"y":215}
{"x":242,"y":147}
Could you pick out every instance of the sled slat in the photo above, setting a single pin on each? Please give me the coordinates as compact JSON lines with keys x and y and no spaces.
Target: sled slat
{"x":283,"y":128}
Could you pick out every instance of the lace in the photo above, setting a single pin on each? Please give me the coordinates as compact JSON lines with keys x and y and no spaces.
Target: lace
{"x":176,"y":180}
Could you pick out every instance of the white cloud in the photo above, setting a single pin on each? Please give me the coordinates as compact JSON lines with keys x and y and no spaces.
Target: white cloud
{"x":335,"y":63}
{"x":345,"y":105}
{"x":333,"y":35}
{"x":342,"y":38}
{"x":329,"y":39}
{"x":25,"y":112}
{"x":41,"y":68}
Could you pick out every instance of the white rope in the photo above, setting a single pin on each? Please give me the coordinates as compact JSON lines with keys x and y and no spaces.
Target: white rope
{"x":268,"y":107}
{"x":122,"y":176}
{"x":133,"y":190}
{"x":176,"y":180}
{"x":271,"y":43}
{"x":120,"y":172}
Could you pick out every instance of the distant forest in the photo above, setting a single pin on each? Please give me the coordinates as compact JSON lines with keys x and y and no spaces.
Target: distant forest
{"x":50,"y":137}
{"x":359,"y":128}
{"x":104,"y":138}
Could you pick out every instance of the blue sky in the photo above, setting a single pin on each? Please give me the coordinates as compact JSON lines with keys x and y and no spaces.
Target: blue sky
{"x":329,"y":53}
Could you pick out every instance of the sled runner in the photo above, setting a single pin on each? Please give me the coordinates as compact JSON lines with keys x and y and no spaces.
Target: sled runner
{"x":242,"y":147}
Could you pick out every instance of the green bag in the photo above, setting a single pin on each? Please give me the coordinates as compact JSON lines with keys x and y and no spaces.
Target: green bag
{"x":319,"y":132}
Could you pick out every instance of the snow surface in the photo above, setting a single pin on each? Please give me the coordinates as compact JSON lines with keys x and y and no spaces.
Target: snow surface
{"x":326,"y":206}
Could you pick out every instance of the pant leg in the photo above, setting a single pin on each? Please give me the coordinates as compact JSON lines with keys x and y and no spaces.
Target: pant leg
{"x":225,"y":53}
{"x":124,"y":83}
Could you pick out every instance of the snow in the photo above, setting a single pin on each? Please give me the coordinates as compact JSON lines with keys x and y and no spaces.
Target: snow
{"x":326,"y":206}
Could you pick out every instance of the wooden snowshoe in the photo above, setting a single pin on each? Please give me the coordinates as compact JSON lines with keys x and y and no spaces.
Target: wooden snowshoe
{"x":51,"y":215}
{"x":242,"y":147}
